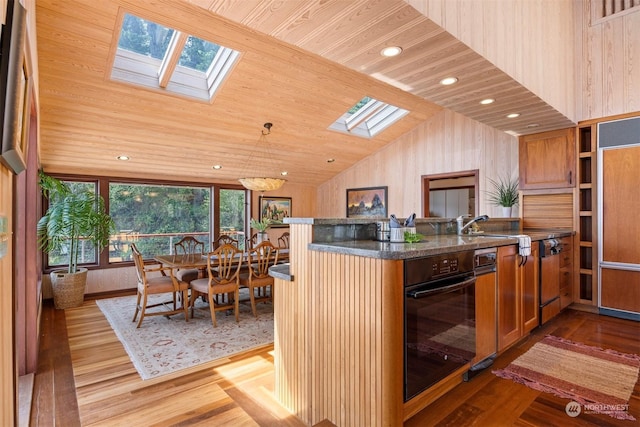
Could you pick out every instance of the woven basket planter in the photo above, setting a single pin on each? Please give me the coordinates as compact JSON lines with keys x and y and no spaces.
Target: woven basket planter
{"x":68,"y":288}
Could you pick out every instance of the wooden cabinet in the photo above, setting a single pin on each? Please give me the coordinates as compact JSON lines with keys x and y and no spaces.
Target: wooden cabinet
{"x":486,"y":326}
{"x":547,"y":160}
{"x":566,"y":272}
{"x":517,"y":294}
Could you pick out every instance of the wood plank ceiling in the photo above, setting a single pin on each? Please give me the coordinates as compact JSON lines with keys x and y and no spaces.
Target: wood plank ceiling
{"x":303,"y":64}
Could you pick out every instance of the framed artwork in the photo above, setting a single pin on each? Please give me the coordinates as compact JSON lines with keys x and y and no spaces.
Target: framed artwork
{"x":15,"y":93}
{"x":367,"y":202}
{"x":275,"y":209}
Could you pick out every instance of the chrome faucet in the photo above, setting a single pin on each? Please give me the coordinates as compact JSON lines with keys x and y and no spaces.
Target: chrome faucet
{"x":461,"y":225}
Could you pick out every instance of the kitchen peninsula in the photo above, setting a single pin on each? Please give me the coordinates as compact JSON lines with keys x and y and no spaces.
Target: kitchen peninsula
{"x":339,"y":310}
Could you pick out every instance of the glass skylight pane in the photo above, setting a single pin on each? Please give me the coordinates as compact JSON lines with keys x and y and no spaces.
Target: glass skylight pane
{"x":144,"y":37}
{"x":359,"y":105}
{"x":146,"y":52}
{"x":198,"y":54}
{"x":368,"y":117}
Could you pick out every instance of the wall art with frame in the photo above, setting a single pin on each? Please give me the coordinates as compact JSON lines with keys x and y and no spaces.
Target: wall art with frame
{"x":367,"y":202}
{"x":275,"y":209}
{"x":15,"y":88}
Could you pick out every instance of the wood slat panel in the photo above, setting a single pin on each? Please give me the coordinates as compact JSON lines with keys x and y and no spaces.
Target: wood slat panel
{"x":540,"y":211}
{"x":332,"y":359}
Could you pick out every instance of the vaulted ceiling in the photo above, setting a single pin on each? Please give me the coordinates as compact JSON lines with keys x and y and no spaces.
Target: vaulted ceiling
{"x":303,"y":64}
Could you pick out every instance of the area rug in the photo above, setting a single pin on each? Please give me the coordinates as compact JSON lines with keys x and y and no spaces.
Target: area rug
{"x":600,"y":380}
{"x":164,"y":345}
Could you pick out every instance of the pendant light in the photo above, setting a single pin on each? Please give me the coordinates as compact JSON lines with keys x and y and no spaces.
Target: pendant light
{"x":262,"y":184}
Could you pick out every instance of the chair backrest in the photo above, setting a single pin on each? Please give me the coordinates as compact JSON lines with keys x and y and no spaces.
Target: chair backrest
{"x":253,"y":240}
{"x":223,"y":264}
{"x":139,"y":262}
{"x":283,"y":241}
{"x":189,"y":245}
{"x":224,"y":240}
{"x":261,"y":257}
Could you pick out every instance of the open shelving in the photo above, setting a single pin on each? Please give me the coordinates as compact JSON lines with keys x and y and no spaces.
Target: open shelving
{"x":587,"y":214}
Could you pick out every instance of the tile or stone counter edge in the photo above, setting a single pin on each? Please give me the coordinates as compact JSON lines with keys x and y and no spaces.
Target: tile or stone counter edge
{"x":434,"y":245}
{"x":281,"y":271}
{"x":399,"y":251}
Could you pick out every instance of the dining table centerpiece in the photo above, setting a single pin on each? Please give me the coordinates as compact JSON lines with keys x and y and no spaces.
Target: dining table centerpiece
{"x":261,"y":228}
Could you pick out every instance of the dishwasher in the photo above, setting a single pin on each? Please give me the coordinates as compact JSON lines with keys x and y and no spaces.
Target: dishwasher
{"x":549,"y":279}
{"x":439,"y":318}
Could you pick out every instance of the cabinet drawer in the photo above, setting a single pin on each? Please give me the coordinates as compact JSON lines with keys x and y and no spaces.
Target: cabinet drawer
{"x":566,"y":277}
{"x":566,"y":256}
{"x":566,"y":297}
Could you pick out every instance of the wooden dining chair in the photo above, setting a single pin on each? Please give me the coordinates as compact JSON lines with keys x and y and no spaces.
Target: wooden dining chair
{"x":257,"y":277}
{"x":283,"y":241}
{"x":162,"y":284}
{"x":189,"y":246}
{"x":223,"y":268}
{"x":223,"y":240}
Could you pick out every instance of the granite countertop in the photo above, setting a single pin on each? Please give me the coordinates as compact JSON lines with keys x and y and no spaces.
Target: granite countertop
{"x":432,"y":245}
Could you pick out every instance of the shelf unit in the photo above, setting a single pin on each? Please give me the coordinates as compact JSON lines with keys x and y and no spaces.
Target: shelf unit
{"x":586,"y":292}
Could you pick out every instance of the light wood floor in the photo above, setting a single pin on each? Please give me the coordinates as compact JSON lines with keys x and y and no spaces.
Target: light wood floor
{"x":86,"y":378}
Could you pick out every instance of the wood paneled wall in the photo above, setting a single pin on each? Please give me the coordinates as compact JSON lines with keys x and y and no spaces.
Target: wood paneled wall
{"x":338,"y":337}
{"x":521,"y":37}
{"x":448,"y":142}
{"x":609,"y":72}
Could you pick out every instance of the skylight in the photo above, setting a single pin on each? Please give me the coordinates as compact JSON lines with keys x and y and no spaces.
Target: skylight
{"x":155,"y":56}
{"x":368,"y":117}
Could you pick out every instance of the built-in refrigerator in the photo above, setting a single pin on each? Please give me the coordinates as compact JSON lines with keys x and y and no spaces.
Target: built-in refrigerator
{"x":619,"y":218}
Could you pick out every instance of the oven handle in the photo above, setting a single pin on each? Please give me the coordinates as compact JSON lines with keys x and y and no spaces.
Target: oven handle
{"x":417,"y":294}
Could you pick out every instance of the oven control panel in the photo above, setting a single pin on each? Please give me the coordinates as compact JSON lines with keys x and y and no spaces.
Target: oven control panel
{"x":445,"y":266}
{"x":429,"y":268}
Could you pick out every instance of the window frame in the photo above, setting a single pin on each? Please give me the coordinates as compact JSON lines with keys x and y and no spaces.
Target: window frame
{"x":167,"y":75}
{"x":102,"y":186}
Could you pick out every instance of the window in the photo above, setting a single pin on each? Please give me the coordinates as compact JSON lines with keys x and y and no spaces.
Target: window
{"x":87,"y":253}
{"x":155,"y":217}
{"x":368,"y":117}
{"x":159,"y":57}
{"x":232,"y":214}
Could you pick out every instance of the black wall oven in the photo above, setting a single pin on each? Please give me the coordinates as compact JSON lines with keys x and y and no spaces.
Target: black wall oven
{"x":439,"y":318}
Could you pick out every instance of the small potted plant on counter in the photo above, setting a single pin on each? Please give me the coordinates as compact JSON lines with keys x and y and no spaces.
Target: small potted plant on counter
{"x":504,"y":193}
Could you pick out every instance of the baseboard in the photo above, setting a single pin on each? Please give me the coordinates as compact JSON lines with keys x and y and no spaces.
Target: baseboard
{"x":619,"y":314}
{"x":25,"y":398}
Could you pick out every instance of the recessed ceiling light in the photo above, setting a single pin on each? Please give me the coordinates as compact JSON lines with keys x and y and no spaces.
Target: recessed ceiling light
{"x":487,"y":101}
{"x":123,"y":157}
{"x":533,"y":125}
{"x":216,"y":167}
{"x":331,"y":160}
{"x":391,"y":51}
{"x":284,"y":173}
{"x":513,"y":115}
{"x":448,"y":81}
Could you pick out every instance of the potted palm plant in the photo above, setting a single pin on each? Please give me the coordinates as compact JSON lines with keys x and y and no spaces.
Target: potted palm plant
{"x":504,"y":192}
{"x":73,"y":215}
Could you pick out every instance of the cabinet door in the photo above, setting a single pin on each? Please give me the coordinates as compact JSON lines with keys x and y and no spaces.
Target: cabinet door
{"x":529,"y":285}
{"x":547,"y":160}
{"x":486,"y":326}
{"x":509,"y":325}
